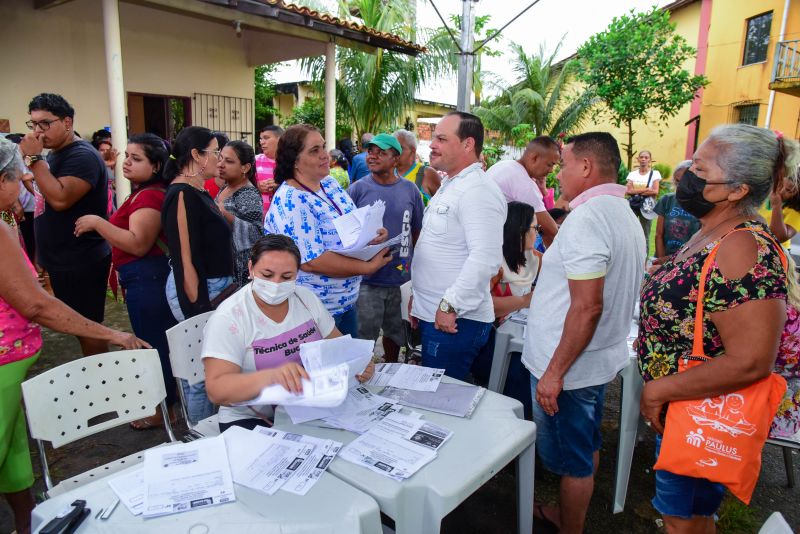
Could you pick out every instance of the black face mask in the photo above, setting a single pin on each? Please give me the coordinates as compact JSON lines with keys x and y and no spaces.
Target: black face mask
{"x":689,"y":194}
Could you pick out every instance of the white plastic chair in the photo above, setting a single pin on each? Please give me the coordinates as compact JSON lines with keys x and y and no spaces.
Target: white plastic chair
{"x":185,"y":343}
{"x":775,"y":524}
{"x":787,"y":445}
{"x":91,"y":394}
{"x":412,"y":350}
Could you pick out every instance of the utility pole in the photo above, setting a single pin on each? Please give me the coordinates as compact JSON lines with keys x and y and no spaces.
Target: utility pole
{"x":466,"y":57}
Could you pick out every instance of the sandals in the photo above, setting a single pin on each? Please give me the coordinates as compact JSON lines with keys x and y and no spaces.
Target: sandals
{"x":154,"y":421}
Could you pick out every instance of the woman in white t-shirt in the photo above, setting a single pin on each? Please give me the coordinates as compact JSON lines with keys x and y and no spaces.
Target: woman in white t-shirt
{"x":253,"y":339}
{"x":642,"y":182}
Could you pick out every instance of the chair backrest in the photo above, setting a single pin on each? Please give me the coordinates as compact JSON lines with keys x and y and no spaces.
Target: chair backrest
{"x":405,"y":297}
{"x":775,"y":524}
{"x":185,"y":341}
{"x":92,"y":394}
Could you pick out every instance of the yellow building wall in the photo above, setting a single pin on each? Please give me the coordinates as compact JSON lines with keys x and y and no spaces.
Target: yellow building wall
{"x":731,"y":82}
{"x":61,"y":50}
{"x":665,"y":140}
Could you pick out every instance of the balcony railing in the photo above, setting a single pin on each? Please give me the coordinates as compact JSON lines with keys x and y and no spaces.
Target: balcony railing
{"x":787,"y":62}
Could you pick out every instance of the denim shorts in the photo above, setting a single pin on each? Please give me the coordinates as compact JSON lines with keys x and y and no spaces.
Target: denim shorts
{"x":215,"y":287}
{"x":683,"y":496}
{"x":566,"y":442}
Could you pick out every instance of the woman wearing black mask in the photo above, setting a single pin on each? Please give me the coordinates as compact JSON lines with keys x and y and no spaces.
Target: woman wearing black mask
{"x":732,"y":173}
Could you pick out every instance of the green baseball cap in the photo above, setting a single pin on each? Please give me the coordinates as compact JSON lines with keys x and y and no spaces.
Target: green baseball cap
{"x":385,"y":142}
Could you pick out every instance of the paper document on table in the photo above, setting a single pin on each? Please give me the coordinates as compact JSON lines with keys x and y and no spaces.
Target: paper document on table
{"x":363,"y":421}
{"x":358,"y":399}
{"x":402,"y":375}
{"x":130,"y":488}
{"x":451,"y":399}
{"x":357,"y":228}
{"x":326,"y":387}
{"x":262,"y":462}
{"x":417,"y":431}
{"x":326,"y":353}
{"x":306,"y":475}
{"x":184,"y":476}
{"x":369,"y":251}
{"x":387,"y":454}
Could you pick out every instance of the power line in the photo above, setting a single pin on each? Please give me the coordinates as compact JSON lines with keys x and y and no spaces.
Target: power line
{"x":446,"y":27}
{"x":495,"y":34}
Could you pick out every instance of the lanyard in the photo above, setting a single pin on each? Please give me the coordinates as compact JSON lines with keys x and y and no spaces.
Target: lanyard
{"x":331,"y":202}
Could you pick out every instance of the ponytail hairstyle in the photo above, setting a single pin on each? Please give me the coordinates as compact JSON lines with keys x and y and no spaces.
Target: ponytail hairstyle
{"x":191,"y":137}
{"x":246,"y":155}
{"x":156,"y":153}
{"x":289,"y":147}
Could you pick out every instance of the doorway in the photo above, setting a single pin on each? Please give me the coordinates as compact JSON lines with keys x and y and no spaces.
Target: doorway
{"x":163,"y":115}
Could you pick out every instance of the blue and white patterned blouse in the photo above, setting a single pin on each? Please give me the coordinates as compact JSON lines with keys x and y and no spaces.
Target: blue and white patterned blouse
{"x":307,"y":219}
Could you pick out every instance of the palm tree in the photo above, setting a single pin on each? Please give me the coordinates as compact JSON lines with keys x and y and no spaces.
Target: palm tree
{"x":537,"y":103}
{"x":374,"y":90}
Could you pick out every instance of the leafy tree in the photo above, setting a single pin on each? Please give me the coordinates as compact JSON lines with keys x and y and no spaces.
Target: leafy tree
{"x":537,"y":103}
{"x":636,"y":69}
{"x":373,"y":90}
{"x":312,"y":111}
{"x":264,"y":93}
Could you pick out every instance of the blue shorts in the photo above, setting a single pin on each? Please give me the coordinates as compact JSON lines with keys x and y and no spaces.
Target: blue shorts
{"x":566,"y":442}
{"x":683,"y":496}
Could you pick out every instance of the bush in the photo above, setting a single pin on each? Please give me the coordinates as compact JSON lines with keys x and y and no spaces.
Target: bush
{"x":492,"y":153}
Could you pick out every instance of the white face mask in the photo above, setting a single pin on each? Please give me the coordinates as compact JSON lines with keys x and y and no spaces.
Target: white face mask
{"x":272,"y":292}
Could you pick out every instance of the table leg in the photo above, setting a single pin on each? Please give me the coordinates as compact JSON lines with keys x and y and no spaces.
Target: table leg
{"x":526,"y":463}
{"x":500,"y":359}
{"x":628,"y":425}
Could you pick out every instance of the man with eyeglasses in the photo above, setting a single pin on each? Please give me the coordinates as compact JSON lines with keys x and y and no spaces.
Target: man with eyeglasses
{"x":72,"y":180}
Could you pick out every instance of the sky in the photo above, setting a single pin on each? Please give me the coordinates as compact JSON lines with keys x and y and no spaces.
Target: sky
{"x":543,"y":24}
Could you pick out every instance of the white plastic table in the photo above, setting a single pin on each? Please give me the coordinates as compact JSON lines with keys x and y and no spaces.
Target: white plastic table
{"x":479,"y":448}
{"x":331,"y":506}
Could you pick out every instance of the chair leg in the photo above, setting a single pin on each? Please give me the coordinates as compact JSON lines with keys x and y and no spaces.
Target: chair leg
{"x":48,"y":482}
{"x":789,"y":464}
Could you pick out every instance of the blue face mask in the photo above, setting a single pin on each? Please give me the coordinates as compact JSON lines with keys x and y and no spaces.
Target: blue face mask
{"x":689,"y":194}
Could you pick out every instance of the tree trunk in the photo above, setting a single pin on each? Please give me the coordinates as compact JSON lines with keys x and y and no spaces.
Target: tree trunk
{"x":629,"y":146}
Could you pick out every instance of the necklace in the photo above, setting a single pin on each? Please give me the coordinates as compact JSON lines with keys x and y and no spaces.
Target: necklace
{"x":330,"y":201}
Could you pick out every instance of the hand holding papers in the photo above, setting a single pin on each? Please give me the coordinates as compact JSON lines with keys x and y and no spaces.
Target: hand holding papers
{"x":401,"y":375}
{"x":184,"y":476}
{"x":326,"y":353}
{"x":357,"y":228}
{"x":327,"y":387}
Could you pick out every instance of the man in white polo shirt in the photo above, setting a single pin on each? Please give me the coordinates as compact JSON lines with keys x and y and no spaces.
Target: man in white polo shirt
{"x":458,"y":251}
{"x":517,"y":180}
{"x":579,"y":320}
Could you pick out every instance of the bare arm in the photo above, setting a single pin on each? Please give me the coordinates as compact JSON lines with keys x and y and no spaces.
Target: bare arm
{"x":21,"y":290}
{"x":227,"y":384}
{"x":337,"y":266}
{"x":191,"y":280}
{"x":61,"y":193}
{"x":549,"y":227}
{"x":505,"y":305}
{"x":777,"y":225}
{"x":431,"y":181}
{"x":661,"y":249}
{"x":144,"y":224}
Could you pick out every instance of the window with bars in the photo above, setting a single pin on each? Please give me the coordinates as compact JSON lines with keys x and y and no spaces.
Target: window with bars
{"x":757,"y":39}
{"x":230,"y":115}
{"x":747,"y":114}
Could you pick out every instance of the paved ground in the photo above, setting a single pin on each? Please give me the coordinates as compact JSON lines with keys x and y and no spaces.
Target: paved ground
{"x":491,"y":509}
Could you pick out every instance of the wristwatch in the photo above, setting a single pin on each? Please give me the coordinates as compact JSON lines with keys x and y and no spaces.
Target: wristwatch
{"x":445,"y":307}
{"x":30,"y":160}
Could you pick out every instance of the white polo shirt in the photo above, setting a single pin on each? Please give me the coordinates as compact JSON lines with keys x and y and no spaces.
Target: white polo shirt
{"x":460,"y":247}
{"x":600,"y":238}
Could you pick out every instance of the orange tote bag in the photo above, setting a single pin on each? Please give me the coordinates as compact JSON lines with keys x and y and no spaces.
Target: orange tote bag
{"x":720,"y":438}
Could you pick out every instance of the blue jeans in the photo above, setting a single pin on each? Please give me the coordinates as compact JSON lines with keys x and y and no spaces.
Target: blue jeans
{"x":566,"y":442}
{"x":347,"y":322}
{"x":453,"y":352}
{"x":143,"y":281}
{"x":197,"y":404}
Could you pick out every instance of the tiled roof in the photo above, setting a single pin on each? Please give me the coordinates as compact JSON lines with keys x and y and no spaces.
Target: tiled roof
{"x":304,"y":16}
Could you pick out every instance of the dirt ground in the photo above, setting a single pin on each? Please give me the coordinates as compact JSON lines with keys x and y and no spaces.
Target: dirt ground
{"x":491,"y":509}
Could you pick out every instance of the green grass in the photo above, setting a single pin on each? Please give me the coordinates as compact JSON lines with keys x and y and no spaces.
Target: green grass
{"x":651,"y":241}
{"x":736,"y":517}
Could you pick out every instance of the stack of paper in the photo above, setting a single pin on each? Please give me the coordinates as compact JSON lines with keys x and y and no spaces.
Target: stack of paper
{"x":318,"y":356}
{"x":404,"y":376}
{"x":398,"y":446}
{"x":357,"y":228}
{"x":369,"y":251}
{"x":327,"y":387}
{"x":451,"y":399}
{"x":184,"y":476}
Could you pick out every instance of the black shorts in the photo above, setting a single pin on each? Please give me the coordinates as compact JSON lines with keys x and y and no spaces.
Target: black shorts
{"x":83,"y":289}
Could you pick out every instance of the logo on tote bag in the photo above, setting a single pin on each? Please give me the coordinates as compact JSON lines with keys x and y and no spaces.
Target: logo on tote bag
{"x":724,"y":414}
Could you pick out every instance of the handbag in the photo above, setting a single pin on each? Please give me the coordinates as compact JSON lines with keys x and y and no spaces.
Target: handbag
{"x":637,"y":201}
{"x":720,"y":438}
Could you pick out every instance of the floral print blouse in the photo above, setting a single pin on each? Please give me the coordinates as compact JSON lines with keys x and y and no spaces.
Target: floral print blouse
{"x":669,"y":299}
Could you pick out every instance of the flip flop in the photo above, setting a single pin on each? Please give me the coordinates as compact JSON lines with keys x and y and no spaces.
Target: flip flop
{"x":153,"y":421}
